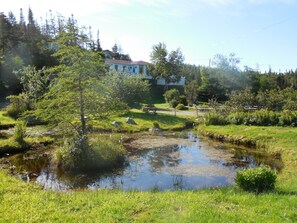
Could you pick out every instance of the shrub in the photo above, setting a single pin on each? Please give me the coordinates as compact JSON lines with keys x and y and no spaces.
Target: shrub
{"x":144,"y":108}
{"x":19,"y":132}
{"x":181,"y":107}
{"x":257,"y":180}
{"x":263,"y":118}
{"x":173,"y":103}
{"x":183,"y":100}
{"x":288,"y":118}
{"x":73,"y":155}
{"x":214,"y":118}
{"x":106,"y":154}
{"x":98,"y":155}
{"x":172,"y":94}
{"x":237,"y":118}
{"x":18,"y":104}
{"x":156,"y":125}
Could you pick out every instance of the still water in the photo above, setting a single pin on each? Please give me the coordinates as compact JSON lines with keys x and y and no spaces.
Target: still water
{"x":189,"y":163}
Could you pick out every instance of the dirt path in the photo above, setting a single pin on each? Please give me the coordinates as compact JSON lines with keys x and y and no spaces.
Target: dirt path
{"x":188,"y":113}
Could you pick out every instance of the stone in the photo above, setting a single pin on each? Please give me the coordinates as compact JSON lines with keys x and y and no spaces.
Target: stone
{"x":130,"y":121}
{"x":116,"y":123}
{"x":154,"y":130}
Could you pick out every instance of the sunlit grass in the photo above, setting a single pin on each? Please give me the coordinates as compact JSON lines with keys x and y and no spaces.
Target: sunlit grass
{"x":27,"y":202}
{"x":5,"y":119}
{"x":143,"y":122}
{"x":23,"y":202}
{"x":276,"y":140}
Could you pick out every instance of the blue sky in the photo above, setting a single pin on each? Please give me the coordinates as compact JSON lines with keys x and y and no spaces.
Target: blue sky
{"x":262,"y":33}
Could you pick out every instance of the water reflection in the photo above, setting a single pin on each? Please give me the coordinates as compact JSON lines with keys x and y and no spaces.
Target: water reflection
{"x":192,"y":163}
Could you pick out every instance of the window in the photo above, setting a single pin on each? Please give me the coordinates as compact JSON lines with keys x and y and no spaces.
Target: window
{"x":141,"y":69}
{"x":116,"y":67}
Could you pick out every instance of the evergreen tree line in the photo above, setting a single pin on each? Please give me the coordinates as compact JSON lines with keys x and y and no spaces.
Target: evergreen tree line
{"x":224,"y":76}
{"x":25,"y":42}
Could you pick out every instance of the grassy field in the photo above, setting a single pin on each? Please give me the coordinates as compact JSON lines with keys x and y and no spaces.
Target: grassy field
{"x":21,"y":202}
{"x":143,"y":122}
{"x":5,"y":120}
{"x":26,"y":202}
{"x":276,"y":140}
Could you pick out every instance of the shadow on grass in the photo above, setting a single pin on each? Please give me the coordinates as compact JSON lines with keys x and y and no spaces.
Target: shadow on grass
{"x":163,"y":118}
{"x":289,"y":193}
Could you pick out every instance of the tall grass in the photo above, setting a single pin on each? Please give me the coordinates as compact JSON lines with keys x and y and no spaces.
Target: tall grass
{"x":20,"y":131}
{"x":97,"y":154}
{"x":256,"y":118}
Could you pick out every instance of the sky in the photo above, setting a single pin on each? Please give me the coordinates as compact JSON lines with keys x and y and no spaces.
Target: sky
{"x":262,"y":33}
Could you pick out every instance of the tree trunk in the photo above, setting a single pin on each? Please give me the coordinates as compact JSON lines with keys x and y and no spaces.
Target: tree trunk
{"x":82,"y":110}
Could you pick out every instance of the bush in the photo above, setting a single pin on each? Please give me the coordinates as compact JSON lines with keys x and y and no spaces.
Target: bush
{"x":288,"y":118}
{"x":183,"y":100}
{"x":18,"y":104}
{"x":100,"y":154}
{"x":19,"y":132}
{"x":181,"y":107}
{"x":173,"y":103}
{"x":172,"y":94}
{"x":106,"y":154}
{"x":214,"y":118}
{"x":256,"y":180}
{"x":237,"y":118}
{"x":263,"y":118}
{"x":156,"y":125}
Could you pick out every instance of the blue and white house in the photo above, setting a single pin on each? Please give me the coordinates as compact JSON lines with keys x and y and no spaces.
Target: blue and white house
{"x":137,"y":68}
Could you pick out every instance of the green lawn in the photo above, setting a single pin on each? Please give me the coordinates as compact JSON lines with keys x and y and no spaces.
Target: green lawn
{"x":26,"y":202}
{"x":276,"y":140}
{"x":5,"y":119}
{"x":11,"y":146}
{"x":143,"y":122}
{"x":21,"y":202}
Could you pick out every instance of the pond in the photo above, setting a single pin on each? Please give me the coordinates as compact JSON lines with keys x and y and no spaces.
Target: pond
{"x":152,"y":163}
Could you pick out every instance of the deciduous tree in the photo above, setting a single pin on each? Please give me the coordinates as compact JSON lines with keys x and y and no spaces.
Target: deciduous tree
{"x":166,"y":65}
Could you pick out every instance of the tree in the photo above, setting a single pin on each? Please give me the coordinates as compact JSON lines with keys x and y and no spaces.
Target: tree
{"x":211,"y":86}
{"x":4,"y":33}
{"x":127,"y":89}
{"x":35,"y":84}
{"x":115,"y":48}
{"x":226,"y":63}
{"x":76,"y":93}
{"x":166,"y":65}
{"x":241,"y":100}
{"x":172,"y":97}
{"x":191,"y":92}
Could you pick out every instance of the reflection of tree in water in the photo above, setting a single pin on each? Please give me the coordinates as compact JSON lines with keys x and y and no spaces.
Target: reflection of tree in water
{"x":30,"y":162}
{"x":164,"y":157}
{"x":249,"y":159}
{"x":178,"y":182}
{"x":110,"y":179}
{"x":157,"y":158}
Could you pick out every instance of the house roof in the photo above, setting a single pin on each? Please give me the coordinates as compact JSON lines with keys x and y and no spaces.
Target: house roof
{"x":140,"y":62}
{"x":112,"y":61}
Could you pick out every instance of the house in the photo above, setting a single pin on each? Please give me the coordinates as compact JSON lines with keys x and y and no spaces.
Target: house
{"x":137,"y":68}
{"x":108,"y":54}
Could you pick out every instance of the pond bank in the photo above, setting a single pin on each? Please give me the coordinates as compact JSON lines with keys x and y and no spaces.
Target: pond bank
{"x":278,"y":141}
{"x":169,"y":161}
{"x":29,"y":203}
